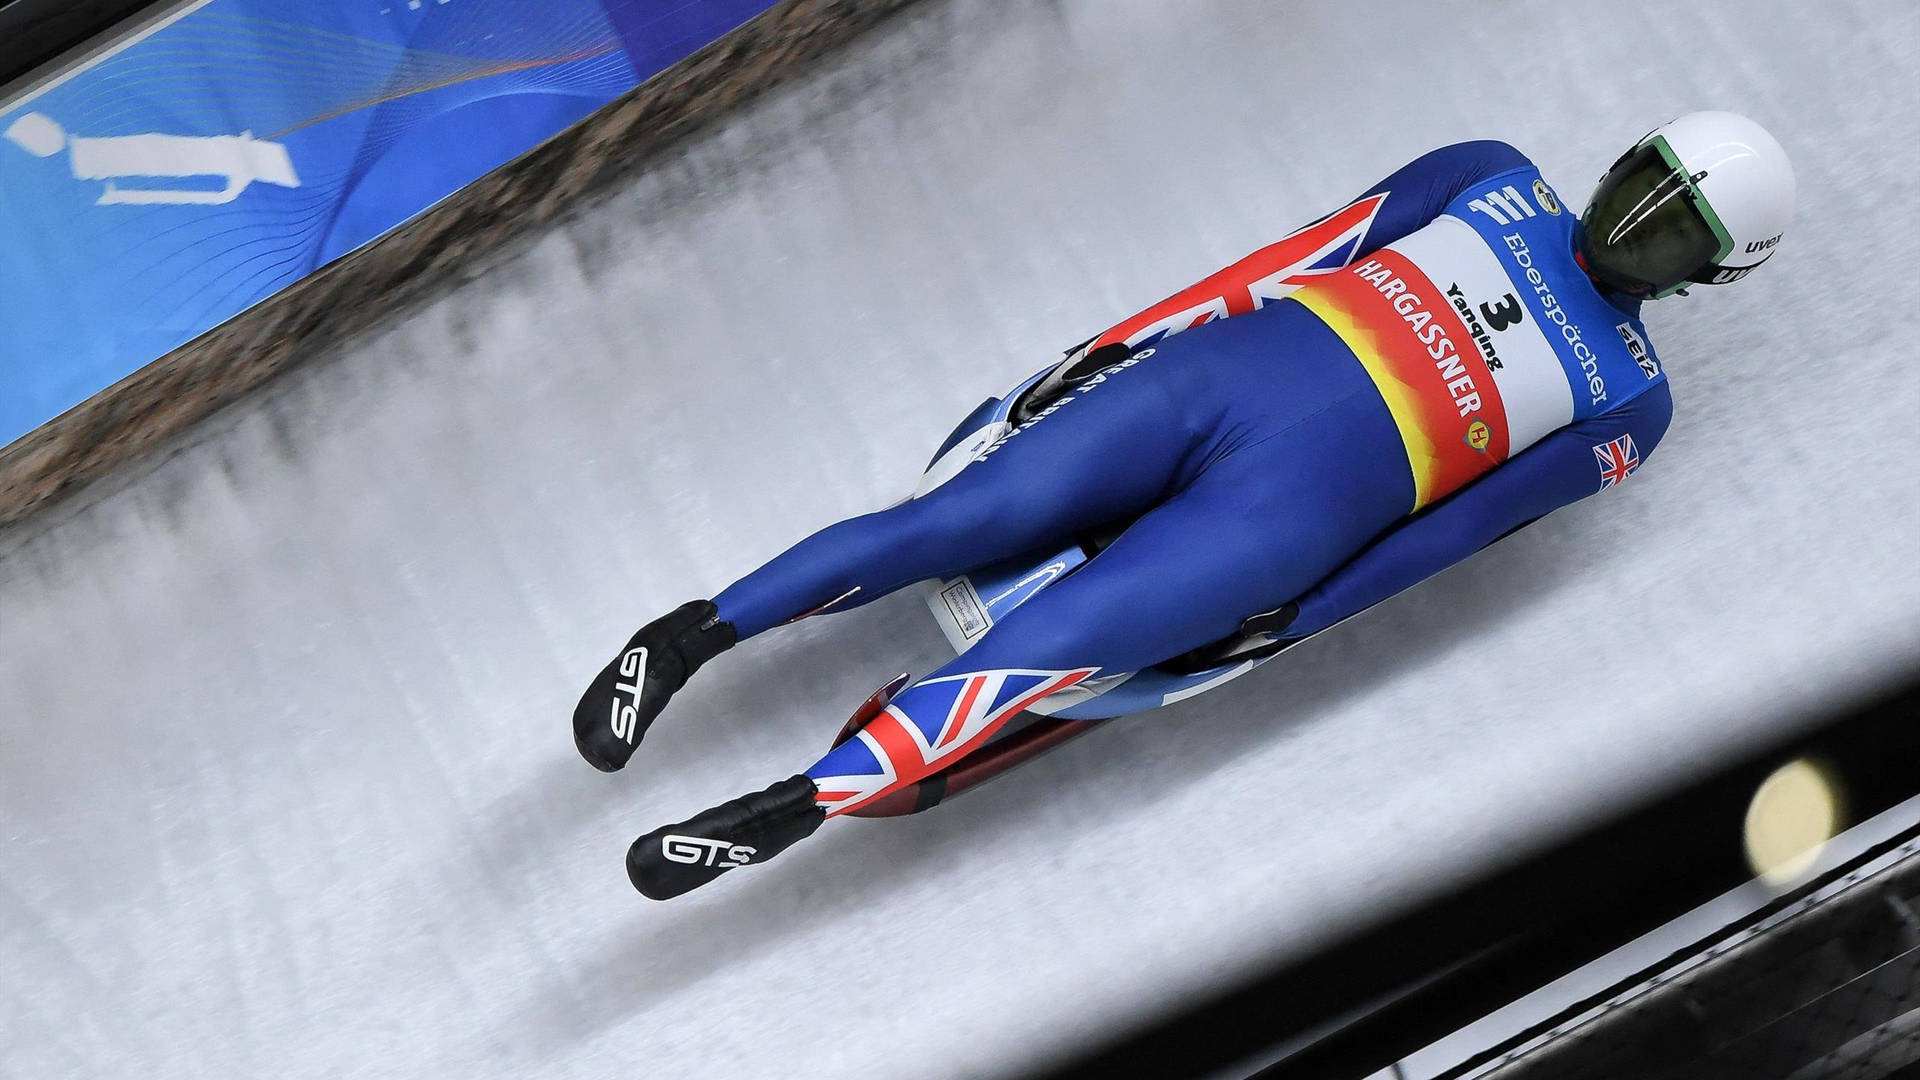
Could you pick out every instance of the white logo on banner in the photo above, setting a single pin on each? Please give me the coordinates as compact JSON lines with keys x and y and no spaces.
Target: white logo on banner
{"x":240,"y":159}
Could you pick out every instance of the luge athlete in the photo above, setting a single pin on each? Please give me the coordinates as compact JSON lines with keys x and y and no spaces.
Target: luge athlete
{"x":1341,"y":414}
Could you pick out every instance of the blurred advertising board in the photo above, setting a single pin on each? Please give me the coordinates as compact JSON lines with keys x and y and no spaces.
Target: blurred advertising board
{"x":182,"y":176}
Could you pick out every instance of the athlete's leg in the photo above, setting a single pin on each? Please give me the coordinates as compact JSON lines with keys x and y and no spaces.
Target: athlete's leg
{"x":1185,"y":574}
{"x":1300,"y":482}
{"x":1113,"y":446}
{"x":1177,"y":580}
{"x":1109,"y":450}
{"x":1255,"y":530}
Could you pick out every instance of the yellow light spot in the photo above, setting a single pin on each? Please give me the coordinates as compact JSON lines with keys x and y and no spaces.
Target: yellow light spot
{"x":1793,"y":815}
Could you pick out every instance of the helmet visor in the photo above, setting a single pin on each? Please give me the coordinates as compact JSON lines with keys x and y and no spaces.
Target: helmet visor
{"x":1648,"y":229}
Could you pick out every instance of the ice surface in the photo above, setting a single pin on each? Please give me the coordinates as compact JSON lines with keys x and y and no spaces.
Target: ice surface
{"x":285,"y":775}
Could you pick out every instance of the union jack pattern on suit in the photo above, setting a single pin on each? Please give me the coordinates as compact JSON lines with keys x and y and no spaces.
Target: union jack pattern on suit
{"x":931,"y":725}
{"x":1618,"y":459}
{"x":1322,"y":248}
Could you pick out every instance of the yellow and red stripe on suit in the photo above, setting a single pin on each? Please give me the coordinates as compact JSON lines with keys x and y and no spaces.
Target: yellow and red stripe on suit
{"x":1442,"y":395}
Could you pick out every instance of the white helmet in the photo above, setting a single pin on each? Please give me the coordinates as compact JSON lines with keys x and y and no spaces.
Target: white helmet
{"x":1703,"y":198}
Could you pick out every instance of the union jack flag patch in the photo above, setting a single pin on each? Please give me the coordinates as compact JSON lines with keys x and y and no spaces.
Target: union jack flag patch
{"x":1618,"y":459}
{"x":928,"y":727}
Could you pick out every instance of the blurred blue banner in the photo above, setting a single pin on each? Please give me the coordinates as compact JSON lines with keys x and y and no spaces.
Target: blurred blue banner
{"x":175,"y":182}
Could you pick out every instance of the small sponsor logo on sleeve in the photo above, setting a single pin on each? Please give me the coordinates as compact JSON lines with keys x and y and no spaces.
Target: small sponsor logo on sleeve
{"x":1544,"y":195}
{"x":1505,"y":205}
{"x":1637,"y":348}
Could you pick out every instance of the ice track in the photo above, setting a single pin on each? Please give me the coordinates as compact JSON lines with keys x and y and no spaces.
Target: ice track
{"x":285,"y":777}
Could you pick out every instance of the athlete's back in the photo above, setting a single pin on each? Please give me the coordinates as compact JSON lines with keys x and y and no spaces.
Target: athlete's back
{"x":1482,"y":332}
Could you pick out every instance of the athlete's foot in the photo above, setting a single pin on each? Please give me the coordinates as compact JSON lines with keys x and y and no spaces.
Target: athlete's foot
{"x":625,"y":697}
{"x":745,"y":831}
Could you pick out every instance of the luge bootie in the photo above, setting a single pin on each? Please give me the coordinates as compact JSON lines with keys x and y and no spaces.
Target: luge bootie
{"x":629,"y":693}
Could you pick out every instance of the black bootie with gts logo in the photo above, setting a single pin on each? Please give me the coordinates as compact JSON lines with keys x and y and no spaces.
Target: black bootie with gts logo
{"x":620,"y":705}
{"x":745,"y":831}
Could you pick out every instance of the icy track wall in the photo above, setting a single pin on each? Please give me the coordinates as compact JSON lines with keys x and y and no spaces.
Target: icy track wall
{"x":286,"y":781}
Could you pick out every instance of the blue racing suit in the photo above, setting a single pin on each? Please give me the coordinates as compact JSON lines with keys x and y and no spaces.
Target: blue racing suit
{"x":1325,"y":423}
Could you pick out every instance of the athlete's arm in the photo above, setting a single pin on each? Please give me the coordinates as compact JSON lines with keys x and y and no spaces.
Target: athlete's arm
{"x":1566,"y":466}
{"x":1405,"y":201}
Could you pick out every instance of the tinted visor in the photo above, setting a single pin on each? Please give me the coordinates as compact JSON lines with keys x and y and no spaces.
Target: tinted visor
{"x":1647,"y":230}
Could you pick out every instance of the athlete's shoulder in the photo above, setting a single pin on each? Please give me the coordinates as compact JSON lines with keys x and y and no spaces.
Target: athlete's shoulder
{"x":1646,"y":412}
{"x":1481,"y":158}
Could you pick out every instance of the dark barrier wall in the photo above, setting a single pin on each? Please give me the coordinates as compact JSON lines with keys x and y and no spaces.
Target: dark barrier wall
{"x":37,"y":32}
{"x":179,"y":179}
